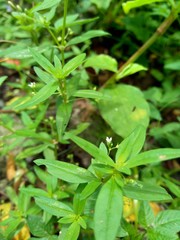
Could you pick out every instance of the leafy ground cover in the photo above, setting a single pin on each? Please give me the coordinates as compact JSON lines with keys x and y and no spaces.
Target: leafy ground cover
{"x":89,"y":120}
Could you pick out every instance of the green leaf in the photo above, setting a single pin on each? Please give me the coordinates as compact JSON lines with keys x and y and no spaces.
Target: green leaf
{"x":32,"y":151}
{"x":89,"y":94}
{"x":72,"y":232}
{"x":129,"y":70}
{"x":145,"y":214}
{"x":66,"y":171}
{"x":63,"y":115}
{"x":99,"y":155}
{"x":73,"y":64}
{"x":137,"y":3}
{"x":173,"y":65}
{"x":172,"y":187}
{"x":46,"y":4}
{"x":90,"y":189}
{"x":43,"y":94}
{"x":108,"y":211}
{"x":167,"y":222}
{"x":53,"y":207}
{"x":44,"y":76}
{"x":42,"y":61}
{"x":103,"y":62}
{"x":145,"y":191}
{"x":153,"y":156}
{"x":36,"y":226}
{"x":126,"y":110}
{"x":102,"y":4}
{"x":86,"y":36}
{"x":2,"y":79}
{"x":131,"y":145}
{"x":34,"y":192}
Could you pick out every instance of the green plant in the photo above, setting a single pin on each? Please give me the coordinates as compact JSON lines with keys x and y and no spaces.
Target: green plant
{"x":76,"y":202}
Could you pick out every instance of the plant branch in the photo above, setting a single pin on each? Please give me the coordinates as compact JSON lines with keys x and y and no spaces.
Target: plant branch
{"x":159,"y":32}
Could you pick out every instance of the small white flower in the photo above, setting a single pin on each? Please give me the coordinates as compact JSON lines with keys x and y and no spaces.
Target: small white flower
{"x":32,"y":85}
{"x":108,"y":139}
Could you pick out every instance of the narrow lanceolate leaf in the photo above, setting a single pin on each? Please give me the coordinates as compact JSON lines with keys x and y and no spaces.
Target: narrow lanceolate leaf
{"x":129,"y":70}
{"x":73,"y":64}
{"x":53,"y":206}
{"x":34,"y":192}
{"x":40,"y":96}
{"x":89,"y":94}
{"x":137,"y":3}
{"x":42,"y":61}
{"x":90,"y":189}
{"x":99,"y":155}
{"x":145,"y":191}
{"x":153,"y":156}
{"x":66,"y":171}
{"x":72,"y":232}
{"x":86,"y":36}
{"x":131,"y":145}
{"x":108,"y":211}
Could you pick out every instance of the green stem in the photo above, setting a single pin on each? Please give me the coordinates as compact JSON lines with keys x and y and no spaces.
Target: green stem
{"x":63,"y":43}
{"x":159,"y":32}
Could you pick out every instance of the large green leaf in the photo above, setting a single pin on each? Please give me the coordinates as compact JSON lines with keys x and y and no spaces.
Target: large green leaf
{"x":103,"y":62}
{"x":126,"y":110}
{"x":99,"y":155}
{"x":145,"y":191}
{"x":153,"y":156}
{"x":108,"y":211}
{"x":66,"y":171}
{"x":88,"y":35}
{"x":131,"y":145}
{"x":53,"y":206}
{"x":43,"y":94}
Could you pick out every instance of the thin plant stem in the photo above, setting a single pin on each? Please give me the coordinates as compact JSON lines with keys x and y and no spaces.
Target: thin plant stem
{"x":63,"y":43}
{"x":159,"y":32}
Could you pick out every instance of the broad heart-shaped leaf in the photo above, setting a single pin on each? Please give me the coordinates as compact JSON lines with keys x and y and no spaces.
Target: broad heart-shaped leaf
{"x":66,"y":171}
{"x":99,"y":155}
{"x":129,"y":70}
{"x":73,"y":64}
{"x":108,"y":211}
{"x":137,"y":3}
{"x":45,"y":5}
{"x":53,"y":206}
{"x":126,"y":110}
{"x":167,"y":222}
{"x":103,"y":62}
{"x":153,"y":156}
{"x":145,"y":191}
{"x":88,"y":35}
{"x":43,"y":94}
{"x":42,"y":61}
{"x":131,"y":145}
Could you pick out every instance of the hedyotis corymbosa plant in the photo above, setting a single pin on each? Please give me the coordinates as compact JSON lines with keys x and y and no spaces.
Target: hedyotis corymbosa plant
{"x":109,"y":180}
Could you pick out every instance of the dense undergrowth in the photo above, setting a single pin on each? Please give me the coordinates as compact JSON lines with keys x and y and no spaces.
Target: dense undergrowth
{"x":90,"y":98}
